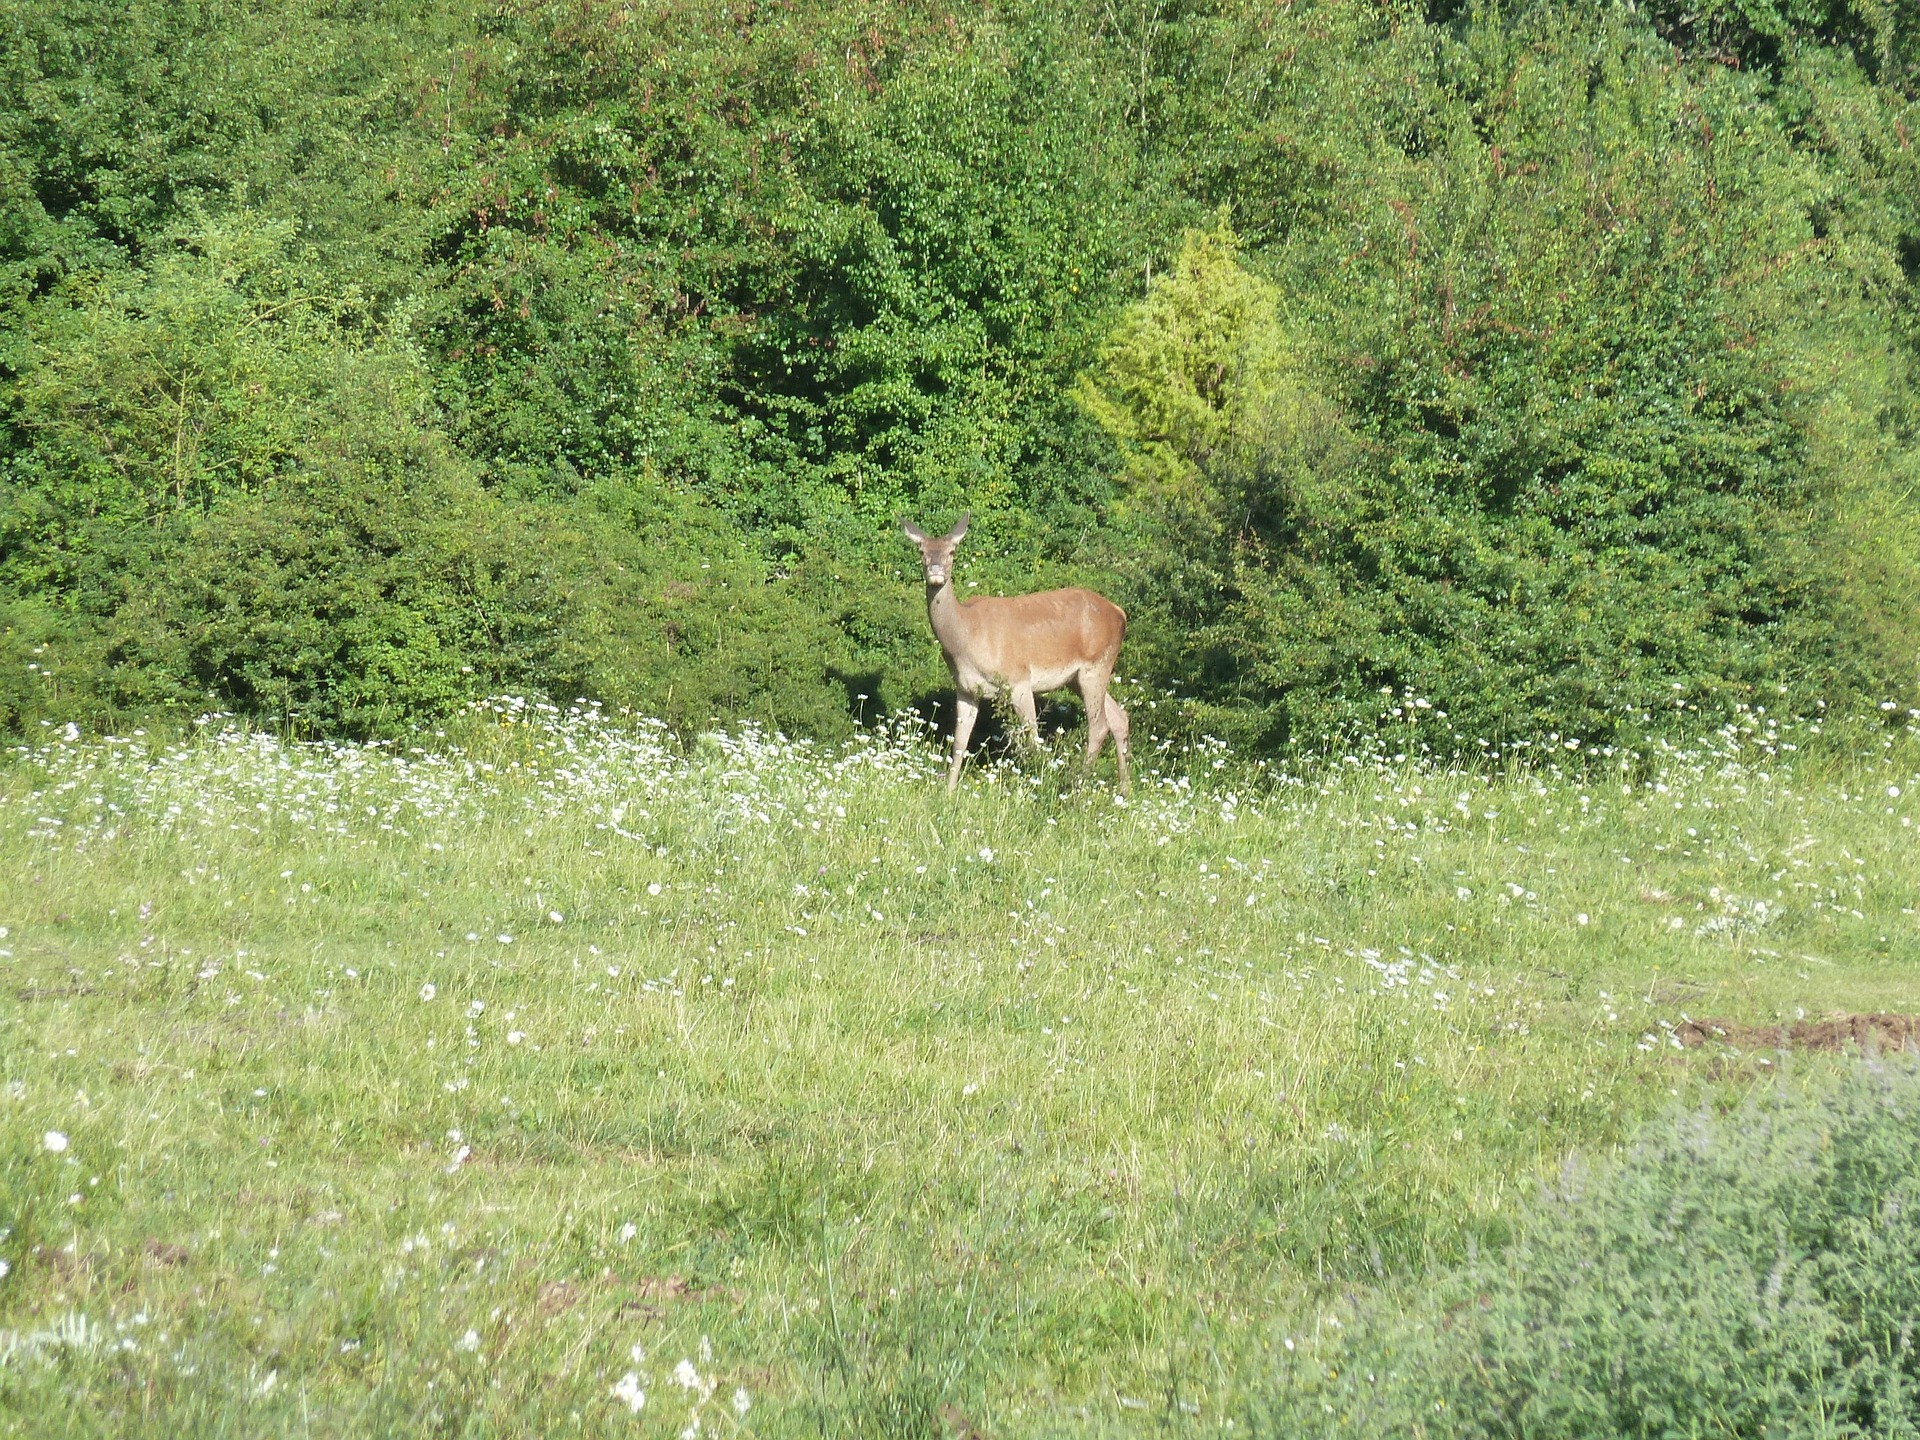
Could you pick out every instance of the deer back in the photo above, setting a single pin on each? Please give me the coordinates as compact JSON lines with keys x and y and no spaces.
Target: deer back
{"x":1042,"y":640}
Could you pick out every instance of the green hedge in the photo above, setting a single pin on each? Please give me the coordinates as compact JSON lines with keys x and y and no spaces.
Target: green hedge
{"x":1554,"y":362}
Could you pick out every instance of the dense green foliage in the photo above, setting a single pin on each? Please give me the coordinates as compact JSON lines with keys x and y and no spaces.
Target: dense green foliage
{"x":1550,"y":364}
{"x":1755,"y":1274}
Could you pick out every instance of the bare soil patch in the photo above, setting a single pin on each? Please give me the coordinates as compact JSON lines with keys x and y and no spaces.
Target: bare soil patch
{"x":556,"y":1297}
{"x":165,"y":1255}
{"x":1834,"y":1033}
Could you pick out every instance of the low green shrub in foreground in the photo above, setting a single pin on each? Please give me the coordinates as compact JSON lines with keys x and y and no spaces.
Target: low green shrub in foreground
{"x":1749,"y":1274}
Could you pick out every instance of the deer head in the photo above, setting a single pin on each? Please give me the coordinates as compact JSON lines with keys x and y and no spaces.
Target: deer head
{"x":936,"y":554}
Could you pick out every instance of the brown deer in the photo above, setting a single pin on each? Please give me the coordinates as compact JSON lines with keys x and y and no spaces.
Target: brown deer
{"x":1021,"y":645}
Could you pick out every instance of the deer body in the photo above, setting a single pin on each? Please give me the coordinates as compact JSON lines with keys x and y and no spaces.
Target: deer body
{"x":1023,"y":645}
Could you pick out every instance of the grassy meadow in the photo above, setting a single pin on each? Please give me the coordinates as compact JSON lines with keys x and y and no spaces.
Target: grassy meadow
{"x":552,"y":1077}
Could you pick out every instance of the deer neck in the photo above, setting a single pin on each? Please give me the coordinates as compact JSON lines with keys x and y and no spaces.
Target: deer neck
{"x":949,"y":628}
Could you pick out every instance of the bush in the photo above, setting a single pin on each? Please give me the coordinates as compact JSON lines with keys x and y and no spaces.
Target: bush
{"x":1543,"y":433}
{"x":364,"y":599}
{"x":1753,"y":1274}
{"x":1565,"y":363}
{"x":240,"y":497}
{"x":640,"y":594}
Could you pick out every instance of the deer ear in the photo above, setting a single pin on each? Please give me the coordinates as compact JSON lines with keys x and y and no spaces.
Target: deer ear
{"x":960,"y":529}
{"x":912,"y":531}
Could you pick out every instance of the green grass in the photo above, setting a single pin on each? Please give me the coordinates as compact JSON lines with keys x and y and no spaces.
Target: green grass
{"x":399,"y":1099}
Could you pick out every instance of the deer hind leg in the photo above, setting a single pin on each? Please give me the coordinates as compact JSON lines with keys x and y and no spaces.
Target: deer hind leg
{"x":1117,"y":723}
{"x":966,"y":709}
{"x":1029,"y":717}
{"x":1104,"y":718}
{"x":1093,"y":693}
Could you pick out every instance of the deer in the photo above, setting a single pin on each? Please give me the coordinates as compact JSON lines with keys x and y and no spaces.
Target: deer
{"x":1020,"y":646}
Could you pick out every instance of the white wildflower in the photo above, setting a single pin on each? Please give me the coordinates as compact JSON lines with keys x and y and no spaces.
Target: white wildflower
{"x":629,"y":1391}
{"x":54,"y":1141}
{"x":692,"y":1381}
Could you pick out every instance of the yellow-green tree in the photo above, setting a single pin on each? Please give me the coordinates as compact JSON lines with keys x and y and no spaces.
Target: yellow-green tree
{"x":1204,"y":387}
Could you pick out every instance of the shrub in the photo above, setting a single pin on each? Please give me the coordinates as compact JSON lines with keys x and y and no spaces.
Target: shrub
{"x":1542,"y":431}
{"x":640,"y":594}
{"x":362,"y":599}
{"x":1569,"y":358}
{"x":240,"y":496}
{"x":1752,"y":1274}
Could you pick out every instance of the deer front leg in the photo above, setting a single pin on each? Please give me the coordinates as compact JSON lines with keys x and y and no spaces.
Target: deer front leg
{"x":966,"y":709}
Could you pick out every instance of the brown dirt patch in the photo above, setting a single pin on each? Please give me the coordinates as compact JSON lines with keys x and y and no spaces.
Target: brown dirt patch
{"x":71,"y":1268}
{"x":665,"y":1287}
{"x":159,"y":1252}
{"x":654,"y":1292}
{"x":557,"y":1297}
{"x":959,"y":1426}
{"x":1836,"y":1032}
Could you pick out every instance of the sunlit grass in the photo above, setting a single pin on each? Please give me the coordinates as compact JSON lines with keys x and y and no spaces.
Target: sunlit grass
{"x":462,"y":1087}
